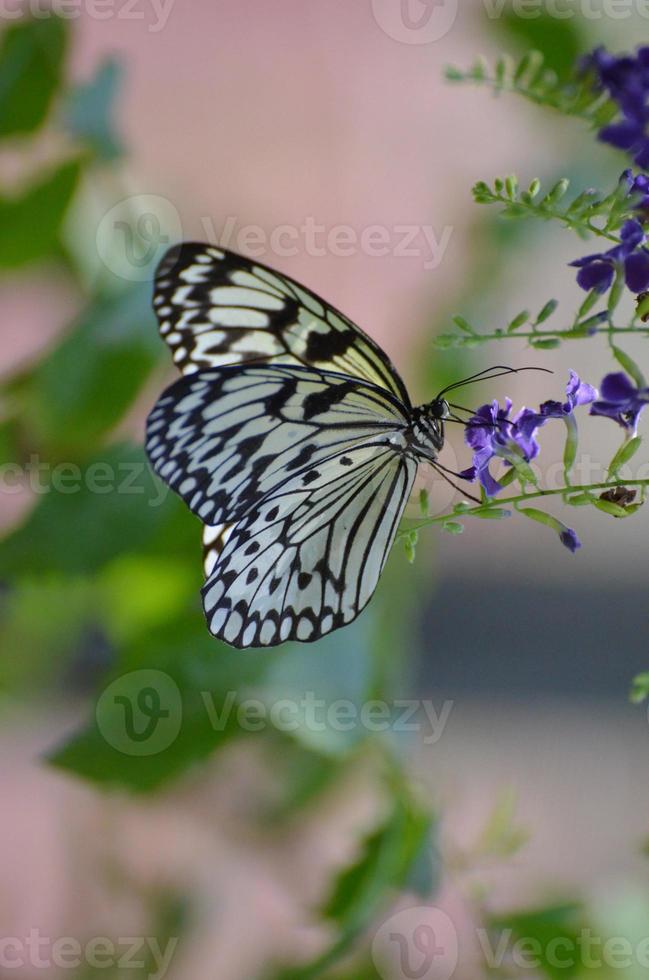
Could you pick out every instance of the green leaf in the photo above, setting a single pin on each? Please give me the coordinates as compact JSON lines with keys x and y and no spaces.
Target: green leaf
{"x":85,"y":516}
{"x":629,"y":366}
{"x":570,"y":447}
{"x":547,"y":311}
{"x":452,"y":527}
{"x":518,"y":321}
{"x":183,"y":688}
{"x":32,"y":57}
{"x":545,"y":343}
{"x":88,"y":111}
{"x":82,"y":388}
{"x":639,"y":688}
{"x":610,"y":507}
{"x":491,"y":514}
{"x":463,"y":324}
{"x":502,"y":836}
{"x":545,"y":928}
{"x":627,"y":450}
{"x":388,"y":858}
{"x":556,"y":42}
{"x":30,"y":223}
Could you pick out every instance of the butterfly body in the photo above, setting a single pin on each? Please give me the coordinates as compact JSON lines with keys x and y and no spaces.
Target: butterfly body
{"x":291,"y":436}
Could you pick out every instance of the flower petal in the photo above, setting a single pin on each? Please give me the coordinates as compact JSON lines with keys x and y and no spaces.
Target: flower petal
{"x":636,"y":271}
{"x":597,"y":275}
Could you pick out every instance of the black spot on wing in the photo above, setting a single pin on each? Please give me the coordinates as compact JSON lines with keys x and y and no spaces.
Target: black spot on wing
{"x":324,"y":346}
{"x":319,"y":402}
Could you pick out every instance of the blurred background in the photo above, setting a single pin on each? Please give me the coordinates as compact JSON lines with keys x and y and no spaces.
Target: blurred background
{"x":467,"y":746}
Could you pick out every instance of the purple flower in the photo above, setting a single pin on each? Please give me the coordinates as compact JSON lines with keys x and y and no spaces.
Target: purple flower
{"x":598,"y":271}
{"x":621,"y":400}
{"x":638,"y":188}
{"x":626,"y":80}
{"x":491,"y":433}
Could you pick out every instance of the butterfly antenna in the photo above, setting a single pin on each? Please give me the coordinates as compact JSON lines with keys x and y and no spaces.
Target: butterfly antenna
{"x":489,"y":374}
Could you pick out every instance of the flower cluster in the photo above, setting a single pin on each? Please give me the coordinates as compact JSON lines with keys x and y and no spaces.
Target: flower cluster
{"x":626,"y":80}
{"x":491,"y":433}
{"x":598,"y":271}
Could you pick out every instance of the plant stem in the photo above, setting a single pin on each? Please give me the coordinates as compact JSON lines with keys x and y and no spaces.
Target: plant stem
{"x":522,"y":498}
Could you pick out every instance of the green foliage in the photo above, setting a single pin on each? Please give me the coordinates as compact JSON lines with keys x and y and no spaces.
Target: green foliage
{"x":30,"y":222}
{"x":559,"y":40}
{"x":32,"y":61}
{"x":531,"y":79}
{"x":540,"y":930}
{"x":80,"y":389}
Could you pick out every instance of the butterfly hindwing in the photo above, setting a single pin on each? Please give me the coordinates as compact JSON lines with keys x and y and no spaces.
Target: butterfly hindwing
{"x":216,"y":308}
{"x":308,"y":559}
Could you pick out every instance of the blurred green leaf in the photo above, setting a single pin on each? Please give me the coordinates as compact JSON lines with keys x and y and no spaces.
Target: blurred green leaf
{"x":42,"y":625}
{"x":629,"y":365}
{"x":640,"y":688}
{"x":209,"y":678}
{"x":32,"y":58}
{"x":109,"y":507}
{"x":30,"y":223}
{"x":560,"y":40}
{"x":627,"y":451}
{"x":83,"y":386}
{"x":89,"y":108}
{"x":388,"y":860}
{"x":544,"y":928}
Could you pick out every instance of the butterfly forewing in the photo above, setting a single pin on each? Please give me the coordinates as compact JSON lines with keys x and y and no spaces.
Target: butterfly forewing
{"x":215,"y":308}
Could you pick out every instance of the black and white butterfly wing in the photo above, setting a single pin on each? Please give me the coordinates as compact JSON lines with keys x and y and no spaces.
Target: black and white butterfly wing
{"x":302,"y":476}
{"x":216,"y":307}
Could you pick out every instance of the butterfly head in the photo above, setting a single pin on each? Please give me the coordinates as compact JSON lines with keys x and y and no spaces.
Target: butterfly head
{"x":427,"y":427}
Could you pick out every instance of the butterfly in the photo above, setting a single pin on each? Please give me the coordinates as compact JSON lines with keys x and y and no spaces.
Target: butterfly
{"x":293,"y":439}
